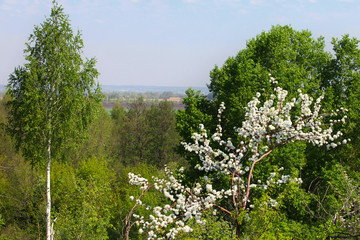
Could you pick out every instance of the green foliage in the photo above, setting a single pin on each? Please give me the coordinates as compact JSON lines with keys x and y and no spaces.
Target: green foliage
{"x":118,"y":113}
{"x":2,"y":222}
{"x":6,"y":145}
{"x":53,"y":96}
{"x":288,"y":220}
{"x":133,"y":134}
{"x":90,"y":191}
{"x":123,"y":204}
{"x":292,"y":57}
{"x":216,"y":228}
{"x":198,"y":110}
{"x":22,"y":200}
{"x":91,"y":194}
{"x":296,"y":60}
{"x":19,"y":201}
{"x":83,"y":199}
{"x":99,"y":140}
{"x":162,"y":124}
{"x":336,"y":196}
{"x":195,"y":112}
{"x":342,"y":85}
{"x":144,"y":134}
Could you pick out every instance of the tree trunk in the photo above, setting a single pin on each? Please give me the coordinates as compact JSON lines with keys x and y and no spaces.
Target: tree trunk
{"x":48,"y":196}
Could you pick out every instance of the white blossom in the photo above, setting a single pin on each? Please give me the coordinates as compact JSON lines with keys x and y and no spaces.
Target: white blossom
{"x":266,"y":125}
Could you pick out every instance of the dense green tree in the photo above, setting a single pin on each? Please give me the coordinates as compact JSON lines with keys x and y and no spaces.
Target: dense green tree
{"x":81,"y":190}
{"x":296,"y":60}
{"x":342,"y":85}
{"x":22,"y":200}
{"x":82,"y":199}
{"x":145,"y":133}
{"x":7,"y":149}
{"x":293,"y":58}
{"x":164,"y":138}
{"x":53,"y":96}
{"x":118,"y":113}
{"x":198,"y":110}
{"x":131,"y":132}
{"x":98,"y":143}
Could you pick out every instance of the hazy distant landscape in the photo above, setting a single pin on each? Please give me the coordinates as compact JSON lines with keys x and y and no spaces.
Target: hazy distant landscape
{"x":126,"y":94}
{"x":142,"y":89}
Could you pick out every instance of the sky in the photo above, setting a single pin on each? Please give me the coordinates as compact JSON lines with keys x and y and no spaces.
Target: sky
{"x":169,"y":42}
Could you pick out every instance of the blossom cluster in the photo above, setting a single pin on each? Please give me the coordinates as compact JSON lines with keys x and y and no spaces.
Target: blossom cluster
{"x":267,"y":126}
{"x":187,"y":203}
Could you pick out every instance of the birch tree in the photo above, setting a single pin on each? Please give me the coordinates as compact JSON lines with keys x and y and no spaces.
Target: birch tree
{"x":53,"y":96}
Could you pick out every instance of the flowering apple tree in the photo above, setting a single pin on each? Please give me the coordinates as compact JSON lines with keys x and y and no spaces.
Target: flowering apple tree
{"x":267,"y":126}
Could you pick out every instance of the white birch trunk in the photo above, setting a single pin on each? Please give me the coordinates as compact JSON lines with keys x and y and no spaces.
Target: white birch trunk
{"x":48,"y":196}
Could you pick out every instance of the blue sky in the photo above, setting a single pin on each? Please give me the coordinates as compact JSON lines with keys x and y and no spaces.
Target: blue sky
{"x":169,"y":42}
